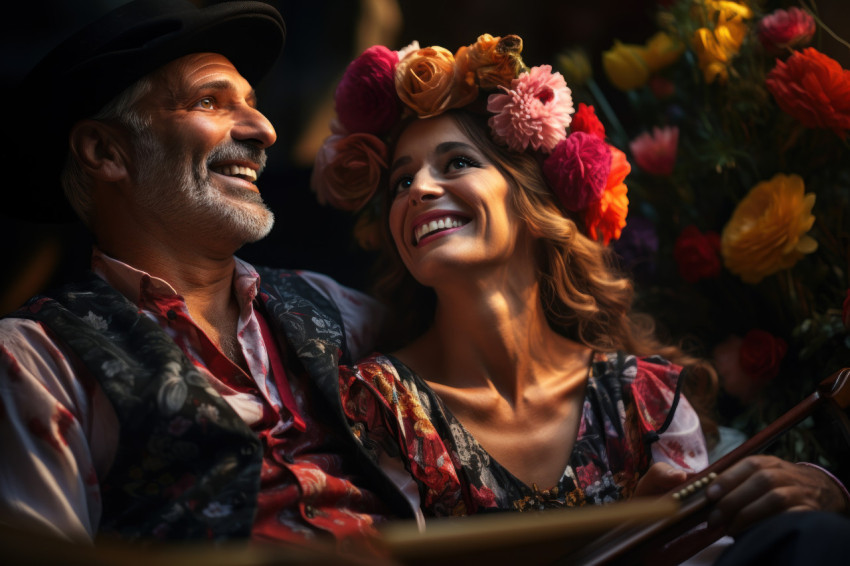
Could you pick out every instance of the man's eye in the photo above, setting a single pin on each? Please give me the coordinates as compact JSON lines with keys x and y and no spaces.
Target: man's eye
{"x":207,"y":103}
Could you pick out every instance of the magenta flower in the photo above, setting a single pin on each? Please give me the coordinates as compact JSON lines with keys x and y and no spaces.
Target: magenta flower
{"x":786,"y":29}
{"x":536,"y":111}
{"x":655,"y":153}
{"x":578,"y":169}
{"x":365,"y":99}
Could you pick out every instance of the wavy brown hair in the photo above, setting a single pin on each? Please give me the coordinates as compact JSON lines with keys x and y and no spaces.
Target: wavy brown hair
{"x":585,"y":295}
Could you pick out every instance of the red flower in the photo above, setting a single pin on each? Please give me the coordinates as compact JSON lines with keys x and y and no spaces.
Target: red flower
{"x":762,"y":354}
{"x":606,"y":218}
{"x":697,"y":255}
{"x":845,"y":311}
{"x":813,"y":89}
{"x":786,"y":29}
{"x":365,"y":99}
{"x":578,"y":169}
{"x":585,"y":120}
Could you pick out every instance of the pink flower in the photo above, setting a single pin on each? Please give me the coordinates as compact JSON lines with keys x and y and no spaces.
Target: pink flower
{"x":786,"y":29}
{"x":535,"y":111}
{"x":655,"y":153}
{"x":578,"y":169}
{"x":365,"y":99}
{"x":348,"y":170}
{"x":585,"y":120}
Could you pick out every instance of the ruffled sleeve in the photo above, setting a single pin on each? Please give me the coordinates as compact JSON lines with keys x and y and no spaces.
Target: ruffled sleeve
{"x":682,"y":443}
{"x":384,"y":411}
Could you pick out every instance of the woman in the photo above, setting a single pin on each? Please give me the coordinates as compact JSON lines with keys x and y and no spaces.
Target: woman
{"x":519,"y":378}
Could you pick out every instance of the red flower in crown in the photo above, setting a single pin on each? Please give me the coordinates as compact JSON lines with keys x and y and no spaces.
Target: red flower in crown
{"x":606,"y":218}
{"x":578,"y":169}
{"x":585,"y":120}
{"x":365,"y":98}
{"x":697,"y":255}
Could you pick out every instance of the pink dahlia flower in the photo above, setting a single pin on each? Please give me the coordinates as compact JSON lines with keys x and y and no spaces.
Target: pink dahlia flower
{"x":655,"y":153}
{"x":536,"y":111}
{"x":786,"y":29}
{"x":365,"y":98}
{"x":578,"y":169}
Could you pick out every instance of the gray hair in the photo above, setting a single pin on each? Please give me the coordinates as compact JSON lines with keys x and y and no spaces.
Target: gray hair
{"x":122,"y":109}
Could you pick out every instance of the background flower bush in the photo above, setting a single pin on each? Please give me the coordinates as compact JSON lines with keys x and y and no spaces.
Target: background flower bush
{"x":738,"y":232}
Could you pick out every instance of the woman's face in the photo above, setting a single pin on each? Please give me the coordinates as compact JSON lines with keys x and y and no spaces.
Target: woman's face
{"x":450,"y":210}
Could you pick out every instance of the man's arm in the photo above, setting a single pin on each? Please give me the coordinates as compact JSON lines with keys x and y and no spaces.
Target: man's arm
{"x":57,"y":431}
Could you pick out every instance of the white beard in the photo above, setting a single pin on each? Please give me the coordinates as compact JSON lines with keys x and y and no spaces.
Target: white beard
{"x":183,"y":193}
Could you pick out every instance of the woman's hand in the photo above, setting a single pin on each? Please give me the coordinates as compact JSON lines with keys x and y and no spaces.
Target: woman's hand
{"x":659,"y":479}
{"x":759,"y":487}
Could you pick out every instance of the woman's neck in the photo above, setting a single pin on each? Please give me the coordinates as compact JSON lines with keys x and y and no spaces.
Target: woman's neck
{"x":493,"y":336}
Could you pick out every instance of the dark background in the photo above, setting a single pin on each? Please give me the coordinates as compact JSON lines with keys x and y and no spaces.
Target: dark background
{"x":322,"y":37}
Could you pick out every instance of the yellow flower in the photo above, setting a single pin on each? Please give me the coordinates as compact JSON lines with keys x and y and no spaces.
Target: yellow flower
{"x":575,"y":66}
{"x":767,"y":231}
{"x":718,"y":44}
{"x":625,"y":66}
{"x":662,"y":50}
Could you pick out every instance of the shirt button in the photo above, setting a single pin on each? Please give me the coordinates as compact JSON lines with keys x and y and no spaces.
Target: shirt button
{"x":309,"y":511}
{"x":171,"y":314}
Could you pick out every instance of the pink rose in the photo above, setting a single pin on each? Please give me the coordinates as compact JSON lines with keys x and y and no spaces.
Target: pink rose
{"x":697,"y":255}
{"x":655,"y":153}
{"x":762,"y":354}
{"x":578,"y":170}
{"x":365,"y":98}
{"x":348,"y":170}
{"x":585,"y":120}
{"x":786,"y":29}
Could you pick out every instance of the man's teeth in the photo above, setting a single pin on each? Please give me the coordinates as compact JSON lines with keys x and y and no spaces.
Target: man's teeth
{"x":435,"y":225}
{"x":237,"y":171}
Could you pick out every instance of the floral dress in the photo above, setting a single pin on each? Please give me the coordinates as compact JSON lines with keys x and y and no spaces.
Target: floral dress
{"x":627,"y":401}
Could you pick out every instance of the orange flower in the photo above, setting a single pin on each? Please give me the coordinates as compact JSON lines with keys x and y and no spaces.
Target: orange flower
{"x":427,"y":81}
{"x":813,"y":89}
{"x":490,"y":62}
{"x":606,"y":218}
{"x":767,"y":231}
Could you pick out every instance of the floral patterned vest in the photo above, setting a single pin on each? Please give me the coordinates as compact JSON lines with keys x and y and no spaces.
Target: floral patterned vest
{"x":175,"y":471}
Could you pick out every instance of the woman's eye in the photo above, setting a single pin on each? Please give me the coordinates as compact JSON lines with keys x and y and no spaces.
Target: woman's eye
{"x":401,"y":185}
{"x":207,"y":103}
{"x":460,"y":162}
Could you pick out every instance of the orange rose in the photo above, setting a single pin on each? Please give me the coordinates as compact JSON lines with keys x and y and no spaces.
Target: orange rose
{"x":490,"y":62}
{"x":427,"y":81}
{"x":348,"y":170}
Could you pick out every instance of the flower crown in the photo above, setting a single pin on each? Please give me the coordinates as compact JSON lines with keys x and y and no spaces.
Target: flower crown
{"x":532,"y":110}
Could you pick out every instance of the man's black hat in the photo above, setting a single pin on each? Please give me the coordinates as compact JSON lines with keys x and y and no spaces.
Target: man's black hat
{"x":94,"y":64}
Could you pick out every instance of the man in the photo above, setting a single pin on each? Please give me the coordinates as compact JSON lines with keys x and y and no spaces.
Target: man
{"x":174,"y":393}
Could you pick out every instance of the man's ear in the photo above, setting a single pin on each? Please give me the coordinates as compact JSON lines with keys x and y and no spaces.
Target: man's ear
{"x":101,"y":149}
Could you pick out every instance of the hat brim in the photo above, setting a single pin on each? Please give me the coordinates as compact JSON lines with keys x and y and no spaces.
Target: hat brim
{"x":88,"y":70}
